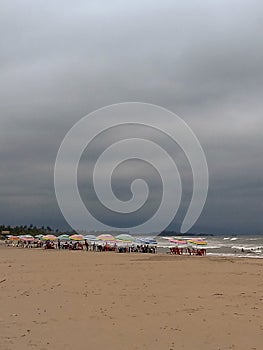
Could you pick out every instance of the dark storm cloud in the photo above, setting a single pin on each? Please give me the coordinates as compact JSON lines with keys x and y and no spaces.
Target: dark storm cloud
{"x":60,"y":61}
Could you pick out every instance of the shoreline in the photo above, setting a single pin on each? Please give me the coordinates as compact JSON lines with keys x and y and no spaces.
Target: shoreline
{"x":207,"y":256}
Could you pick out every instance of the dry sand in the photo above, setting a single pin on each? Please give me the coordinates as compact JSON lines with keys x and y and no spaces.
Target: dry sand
{"x":83,"y":300}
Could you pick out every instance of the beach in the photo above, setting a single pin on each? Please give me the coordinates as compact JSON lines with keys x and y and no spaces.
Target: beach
{"x":52,"y":299}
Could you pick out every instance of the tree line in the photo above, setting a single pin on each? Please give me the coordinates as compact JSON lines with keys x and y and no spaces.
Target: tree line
{"x":28,"y":230}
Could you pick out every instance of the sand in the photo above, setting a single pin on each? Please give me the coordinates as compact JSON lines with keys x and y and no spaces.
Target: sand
{"x":84,"y":300}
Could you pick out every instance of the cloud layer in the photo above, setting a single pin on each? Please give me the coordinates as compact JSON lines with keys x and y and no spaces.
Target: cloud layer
{"x":61,"y":60}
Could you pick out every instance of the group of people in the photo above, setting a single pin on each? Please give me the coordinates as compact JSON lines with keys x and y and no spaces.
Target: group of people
{"x":188,"y":251}
{"x":84,"y":245}
{"x":143,"y":248}
{"x":96,"y":246}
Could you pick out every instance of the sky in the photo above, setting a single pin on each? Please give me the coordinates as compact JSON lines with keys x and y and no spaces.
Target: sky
{"x":202,"y":60}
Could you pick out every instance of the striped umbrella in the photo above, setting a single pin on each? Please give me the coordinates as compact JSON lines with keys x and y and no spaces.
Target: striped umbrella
{"x":14,"y":238}
{"x":125,"y":238}
{"x":76,"y":237}
{"x":49,"y":238}
{"x":106,"y":238}
{"x":178,"y":241}
{"x":198,"y":241}
{"x":27,"y":238}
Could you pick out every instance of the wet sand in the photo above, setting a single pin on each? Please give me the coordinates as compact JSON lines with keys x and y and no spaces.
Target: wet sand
{"x":83,"y":300}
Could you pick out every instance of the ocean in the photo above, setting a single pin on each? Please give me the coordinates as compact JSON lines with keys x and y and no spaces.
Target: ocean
{"x":238,"y":246}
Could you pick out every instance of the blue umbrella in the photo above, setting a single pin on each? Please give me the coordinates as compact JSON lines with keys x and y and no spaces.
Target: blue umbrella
{"x":90,"y":238}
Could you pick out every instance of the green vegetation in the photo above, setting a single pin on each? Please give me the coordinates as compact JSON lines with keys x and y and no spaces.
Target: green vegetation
{"x":28,"y":230}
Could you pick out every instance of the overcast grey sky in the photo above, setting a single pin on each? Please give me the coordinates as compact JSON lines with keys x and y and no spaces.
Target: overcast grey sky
{"x":202,"y":60}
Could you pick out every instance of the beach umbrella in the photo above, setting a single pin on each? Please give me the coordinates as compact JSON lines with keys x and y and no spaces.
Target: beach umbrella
{"x":49,"y":238}
{"x":13,"y":238}
{"x":146,"y":240}
{"x":125,"y":238}
{"x":178,"y":241}
{"x":39,"y":236}
{"x":64,"y":238}
{"x":27,"y":238}
{"x":150,"y":240}
{"x":76,"y":237}
{"x":141,"y":241}
{"x":198,"y":241}
{"x":90,"y":238}
{"x":106,"y":238}
{"x":167,"y":238}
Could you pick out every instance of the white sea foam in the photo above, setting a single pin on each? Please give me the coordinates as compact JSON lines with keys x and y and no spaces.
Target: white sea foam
{"x":232,"y":255}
